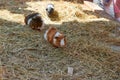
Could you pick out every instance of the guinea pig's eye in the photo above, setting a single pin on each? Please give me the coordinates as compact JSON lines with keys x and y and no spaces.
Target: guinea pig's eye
{"x":56,"y":37}
{"x":46,"y":9}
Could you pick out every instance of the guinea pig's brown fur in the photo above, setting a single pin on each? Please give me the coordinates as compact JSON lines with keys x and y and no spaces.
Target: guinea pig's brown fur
{"x":35,"y":21}
{"x":56,"y":38}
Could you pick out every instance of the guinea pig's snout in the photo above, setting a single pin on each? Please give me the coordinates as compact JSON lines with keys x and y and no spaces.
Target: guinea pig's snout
{"x":51,"y":9}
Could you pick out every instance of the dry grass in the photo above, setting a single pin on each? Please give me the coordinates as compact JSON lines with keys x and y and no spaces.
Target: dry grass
{"x":25,"y":55}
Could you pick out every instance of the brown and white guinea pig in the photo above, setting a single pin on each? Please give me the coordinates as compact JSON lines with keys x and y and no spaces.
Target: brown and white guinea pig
{"x":56,"y":38}
{"x":35,"y":21}
{"x":50,"y":9}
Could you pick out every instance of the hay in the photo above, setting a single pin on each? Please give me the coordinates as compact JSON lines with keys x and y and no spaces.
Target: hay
{"x":27,"y":56}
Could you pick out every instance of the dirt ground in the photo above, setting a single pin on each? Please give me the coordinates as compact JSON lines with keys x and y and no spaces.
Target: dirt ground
{"x":25,"y":55}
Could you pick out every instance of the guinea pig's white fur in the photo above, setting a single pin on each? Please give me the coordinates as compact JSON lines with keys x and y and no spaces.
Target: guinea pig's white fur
{"x":56,"y":38}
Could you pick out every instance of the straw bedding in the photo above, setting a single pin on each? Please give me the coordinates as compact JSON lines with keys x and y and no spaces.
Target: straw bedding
{"x":25,"y":55}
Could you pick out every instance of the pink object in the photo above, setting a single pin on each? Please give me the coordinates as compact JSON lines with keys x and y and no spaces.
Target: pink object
{"x":117,"y":6}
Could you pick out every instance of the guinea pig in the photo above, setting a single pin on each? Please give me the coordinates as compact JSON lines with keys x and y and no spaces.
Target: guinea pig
{"x":35,"y":21}
{"x":50,"y":9}
{"x":54,"y":37}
